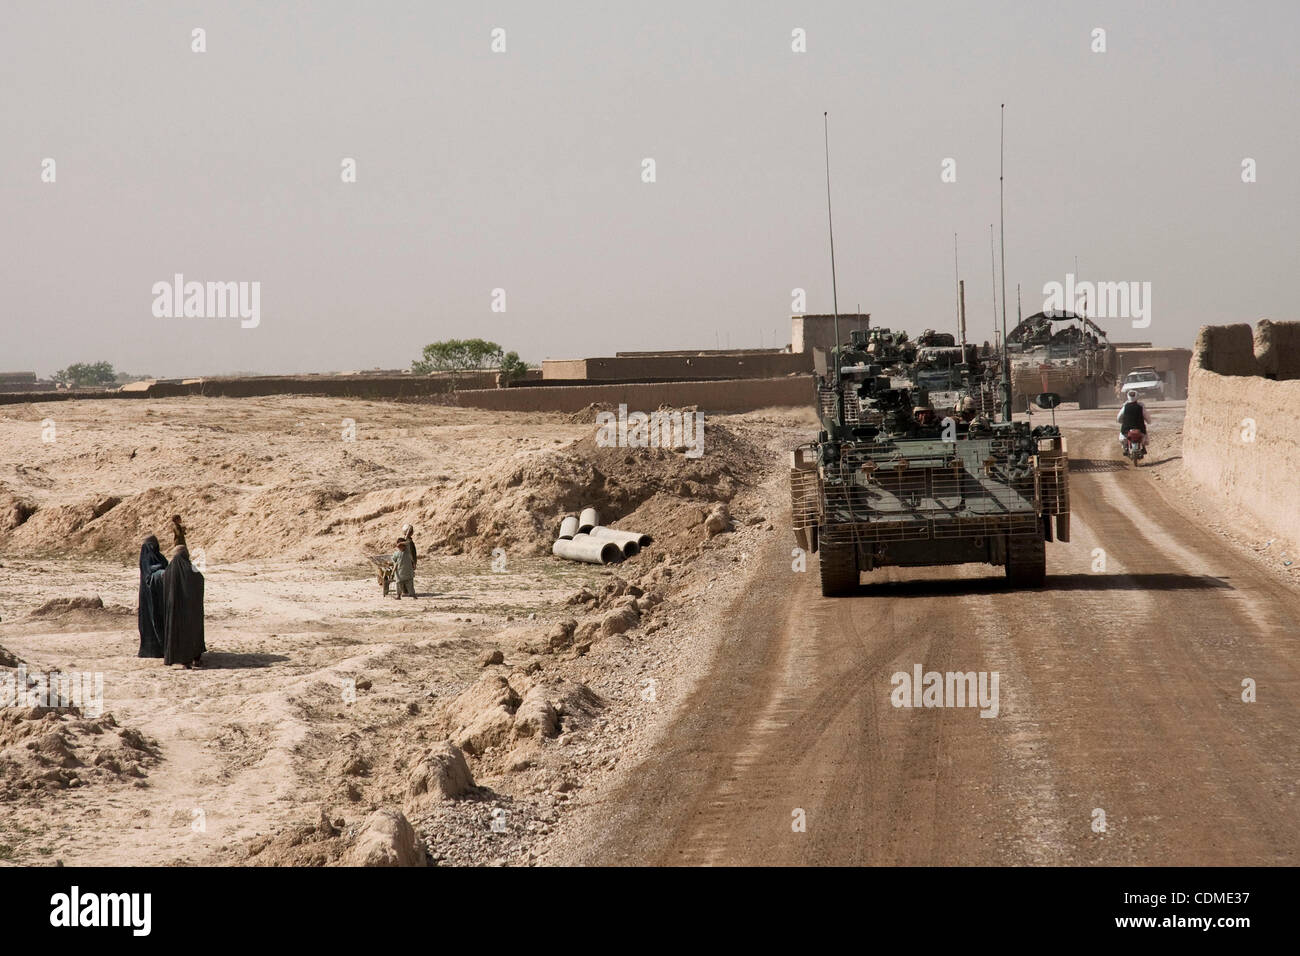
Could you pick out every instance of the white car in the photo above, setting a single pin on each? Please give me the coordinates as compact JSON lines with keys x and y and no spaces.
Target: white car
{"x":1146,"y":382}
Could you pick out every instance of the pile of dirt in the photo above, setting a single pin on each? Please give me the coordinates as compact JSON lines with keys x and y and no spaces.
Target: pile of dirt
{"x":47,"y":749}
{"x":312,"y":844}
{"x":655,"y":491}
{"x":494,"y":714}
{"x":586,"y":415}
{"x":353,"y":505}
{"x":385,"y":838}
{"x":14,"y":509}
{"x":57,"y":607}
{"x":89,"y":612}
{"x":57,"y":523}
{"x":441,"y":774}
{"x":50,"y":745}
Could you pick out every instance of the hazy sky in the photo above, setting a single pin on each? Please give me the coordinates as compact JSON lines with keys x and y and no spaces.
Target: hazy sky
{"x":522,"y":171}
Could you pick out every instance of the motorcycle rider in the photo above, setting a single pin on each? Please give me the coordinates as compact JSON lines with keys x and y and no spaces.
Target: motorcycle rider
{"x":1133,"y":415}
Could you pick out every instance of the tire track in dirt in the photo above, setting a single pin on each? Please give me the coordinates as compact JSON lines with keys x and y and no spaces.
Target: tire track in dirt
{"x":1148,"y":700}
{"x":1119,"y":691}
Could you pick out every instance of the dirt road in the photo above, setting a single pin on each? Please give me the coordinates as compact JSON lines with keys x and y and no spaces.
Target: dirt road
{"x":1120,"y":693}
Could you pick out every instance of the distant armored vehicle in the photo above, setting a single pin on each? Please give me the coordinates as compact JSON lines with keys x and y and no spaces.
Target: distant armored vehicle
{"x":911,"y":470}
{"x":1063,"y":353}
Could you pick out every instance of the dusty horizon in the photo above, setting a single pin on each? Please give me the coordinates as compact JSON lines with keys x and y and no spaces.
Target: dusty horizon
{"x":397,"y":175}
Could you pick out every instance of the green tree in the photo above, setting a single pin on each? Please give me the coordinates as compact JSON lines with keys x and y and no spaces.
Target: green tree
{"x":457,"y":355}
{"x":512,"y":368}
{"x":81,"y":374}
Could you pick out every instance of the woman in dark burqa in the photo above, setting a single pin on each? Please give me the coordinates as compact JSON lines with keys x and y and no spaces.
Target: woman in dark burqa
{"x":183,"y":611}
{"x":150,"y":614}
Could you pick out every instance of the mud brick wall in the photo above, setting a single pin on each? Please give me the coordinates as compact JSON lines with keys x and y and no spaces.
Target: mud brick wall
{"x":730,"y":396}
{"x":1241,"y":437}
{"x":334,"y":386}
{"x":650,"y":368}
{"x":1225,"y":350}
{"x":340,"y":386}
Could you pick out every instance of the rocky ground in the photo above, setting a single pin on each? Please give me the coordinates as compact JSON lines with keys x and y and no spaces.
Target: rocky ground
{"x":330,"y":725}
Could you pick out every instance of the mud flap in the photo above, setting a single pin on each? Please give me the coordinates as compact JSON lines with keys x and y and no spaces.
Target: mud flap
{"x":998,"y":550}
{"x":1026,"y":560}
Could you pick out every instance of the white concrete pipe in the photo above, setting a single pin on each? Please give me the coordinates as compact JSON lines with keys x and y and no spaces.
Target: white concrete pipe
{"x":628,"y":546}
{"x":568,"y":527}
{"x":587,"y":520}
{"x":618,"y":534}
{"x":582,"y":547}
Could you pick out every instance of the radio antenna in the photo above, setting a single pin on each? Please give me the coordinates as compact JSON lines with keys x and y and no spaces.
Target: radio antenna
{"x":957,"y":277}
{"x":1002,"y":213}
{"x":830,"y":224}
{"x":993,"y":266}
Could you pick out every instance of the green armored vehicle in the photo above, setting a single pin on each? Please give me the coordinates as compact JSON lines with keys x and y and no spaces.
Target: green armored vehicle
{"x":919,"y":463}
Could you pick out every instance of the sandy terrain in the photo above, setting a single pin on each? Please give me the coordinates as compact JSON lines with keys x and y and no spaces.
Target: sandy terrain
{"x":696,"y":695}
{"x":248,"y":756}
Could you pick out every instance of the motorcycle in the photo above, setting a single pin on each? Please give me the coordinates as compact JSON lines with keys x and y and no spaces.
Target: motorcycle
{"x":1135,"y":448}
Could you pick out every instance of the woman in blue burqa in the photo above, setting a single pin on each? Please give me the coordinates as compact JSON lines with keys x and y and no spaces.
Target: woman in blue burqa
{"x":150,"y":615}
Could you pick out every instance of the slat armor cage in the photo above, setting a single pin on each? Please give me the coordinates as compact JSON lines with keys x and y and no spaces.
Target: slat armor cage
{"x":921,"y":490}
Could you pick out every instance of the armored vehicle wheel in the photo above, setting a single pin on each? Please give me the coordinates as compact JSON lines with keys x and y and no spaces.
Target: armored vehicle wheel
{"x":1026,"y":561}
{"x":839,"y":569}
